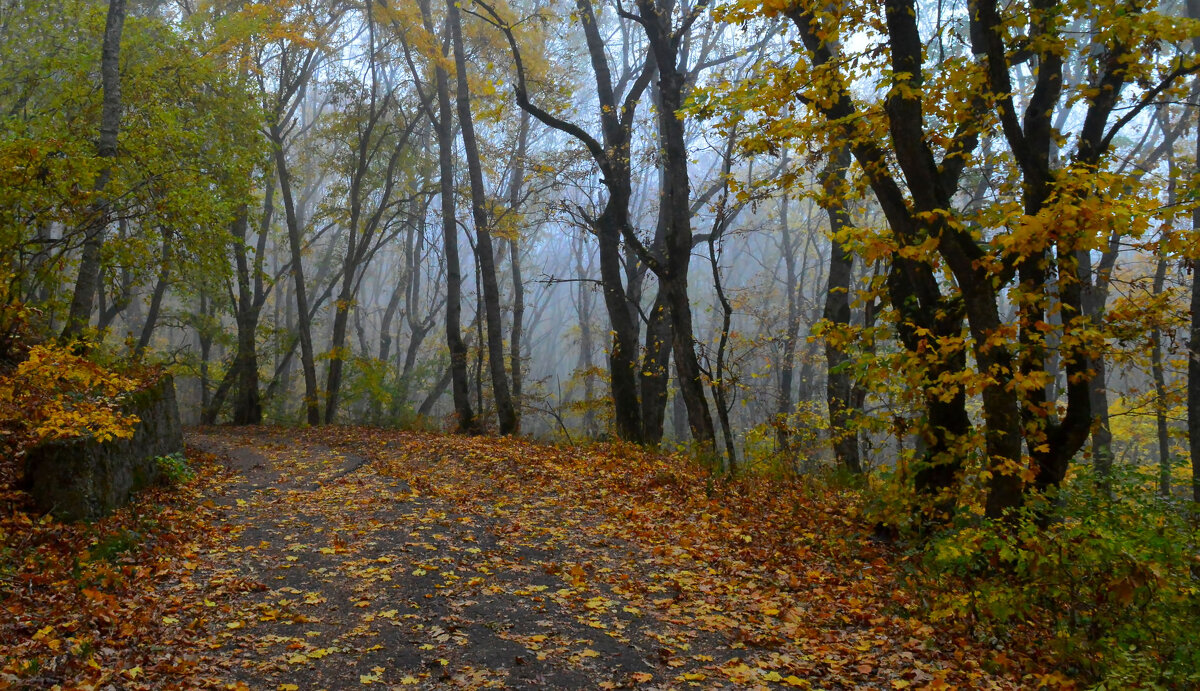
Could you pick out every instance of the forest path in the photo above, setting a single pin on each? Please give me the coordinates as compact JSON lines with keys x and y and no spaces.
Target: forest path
{"x":383,"y":558}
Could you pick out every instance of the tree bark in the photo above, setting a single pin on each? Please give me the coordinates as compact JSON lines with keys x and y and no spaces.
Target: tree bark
{"x":484,"y":252}
{"x":156,"y":297}
{"x":460,"y":387}
{"x":613,"y":158}
{"x":654,"y":375}
{"x":584,"y":365}
{"x":304,"y":319}
{"x":839,"y":380}
{"x":515,"y":189}
{"x":675,"y":215}
{"x":247,"y":404}
{"x":783,"y":430}
{"x":98,"y":212}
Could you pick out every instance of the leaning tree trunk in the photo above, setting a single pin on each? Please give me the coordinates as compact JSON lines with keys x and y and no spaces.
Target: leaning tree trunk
{"x":612,"y":156}
{"x":459,"y":385}
{"x":484,"y":252}
{"x":156,"y":298}
{"x":110,"y":121}
{"x":312,"y":403}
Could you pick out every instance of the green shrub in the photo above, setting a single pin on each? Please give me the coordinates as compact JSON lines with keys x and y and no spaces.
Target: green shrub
{"x":175,"y":469}
{"x":1109,"y":583}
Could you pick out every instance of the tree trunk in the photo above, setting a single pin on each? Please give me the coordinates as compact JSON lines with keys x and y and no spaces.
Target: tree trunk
{"x":156,"y":298}
{"x":312,"y":402}
{"x":675,"y":216}
{"x":654,"y":375}
{"x":1095,"y":294}
{"x":1193,"y":382}
{"x":515,"y":188}
{"x":110,"y":120}
{"x":839,"y":381}
{"x":484,"y":252}
{"x":1160,"y":387}
{"x":460,"y":388}
{"x":204,"y":336}
{"x":584,"y":366}
{"x":613,"y":158}
{"x":783,"y":431}
{"x":247,"y":405}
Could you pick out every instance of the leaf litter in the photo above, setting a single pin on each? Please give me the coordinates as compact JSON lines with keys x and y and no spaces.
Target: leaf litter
{"x":348,"y":557}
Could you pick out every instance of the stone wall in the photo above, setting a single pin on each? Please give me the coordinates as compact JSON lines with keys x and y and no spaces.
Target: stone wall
{"x":85,"y":479}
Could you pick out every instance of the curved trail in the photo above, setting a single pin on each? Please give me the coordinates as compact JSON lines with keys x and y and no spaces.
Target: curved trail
{"x":357,"y":579}
{"x":358,"y":557}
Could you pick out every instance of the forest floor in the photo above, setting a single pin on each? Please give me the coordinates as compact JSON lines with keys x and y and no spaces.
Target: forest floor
{"x":344,"y":557}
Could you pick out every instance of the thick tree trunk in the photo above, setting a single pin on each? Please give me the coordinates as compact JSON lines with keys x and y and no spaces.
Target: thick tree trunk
{"x":247,"y":405}
{"x":1193,"y":371}
{"x":484,"y":252}
{"x":622,"y":353}
{"x":675,"y":216}
{"x":110,"y":120}
{"x":654,"y":375}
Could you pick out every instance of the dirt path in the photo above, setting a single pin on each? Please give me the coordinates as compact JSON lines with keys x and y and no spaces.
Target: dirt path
{"x":360,"y":557}
{"x":355,"y":578}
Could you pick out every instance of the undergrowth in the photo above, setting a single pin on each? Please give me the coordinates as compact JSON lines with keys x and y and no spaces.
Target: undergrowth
{"x":1109,"y":585}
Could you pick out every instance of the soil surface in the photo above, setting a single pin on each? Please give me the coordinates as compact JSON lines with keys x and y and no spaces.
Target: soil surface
{"x":356,"y":557}
{"x":353,"y":577}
